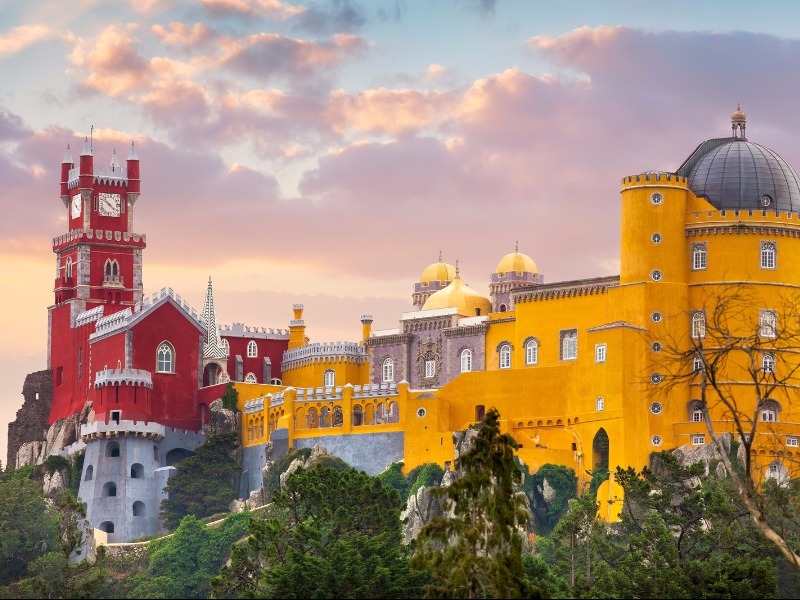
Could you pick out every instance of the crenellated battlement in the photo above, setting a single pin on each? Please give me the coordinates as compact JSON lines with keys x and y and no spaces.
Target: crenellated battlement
{"x":324,"y":352}
{"x":98,"y":430}
{"x":325,"y":393}
{"x":763,"y":218}
{"x":654,"y":178}
{"x":246,"y":331}
{"x":137,"y":377}
{"x":99,"y":235}
{"x":124,"y":318}
{"x":89,"y":316}
{"x":109,"y":175}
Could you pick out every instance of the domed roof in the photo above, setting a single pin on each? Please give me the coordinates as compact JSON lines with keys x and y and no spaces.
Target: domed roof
{"x":516,"y":261}
{"x":458,"y":295}
{"x":438,"y":271}
{"x":732,"y":173}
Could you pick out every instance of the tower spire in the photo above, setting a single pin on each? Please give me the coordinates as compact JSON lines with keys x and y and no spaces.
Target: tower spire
{"x":212,"y":348}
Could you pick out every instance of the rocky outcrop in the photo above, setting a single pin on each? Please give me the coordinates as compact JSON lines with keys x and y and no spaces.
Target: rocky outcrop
{"x":221,"y":420}
{"x":30,"y":424}
{"x":709,"y":455}
{"x":318,"y":453}
{"x":422,"y":507}
{"x":55,"y":483}
{"x":60,"y":434}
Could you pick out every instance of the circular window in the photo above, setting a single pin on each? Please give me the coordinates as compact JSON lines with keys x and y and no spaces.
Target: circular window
{"x":656,"y":237}
{"x":421,"y":412}
{"x":656,"y":198}
{"x":656,"y":275}
{"x":656,"y":408}
{"x":656,"y":316}
{"x":656,"y":347}
{"x":656,"y":378}
{"x":655,"y":440}
{"x":766,"y":200}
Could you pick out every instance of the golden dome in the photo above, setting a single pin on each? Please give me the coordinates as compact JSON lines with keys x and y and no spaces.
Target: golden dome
{"x":459,"y":295}
{"x":739,"y":116}
{"x":516,"y":261}
{"x":438,"y":271}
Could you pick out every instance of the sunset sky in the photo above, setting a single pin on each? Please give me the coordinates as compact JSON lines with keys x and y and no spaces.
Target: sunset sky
{"x":325,"y":152}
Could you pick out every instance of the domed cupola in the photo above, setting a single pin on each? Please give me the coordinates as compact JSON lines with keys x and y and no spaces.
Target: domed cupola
{"x":459,"y":295}
{"x":514,"y":270}
{"x":435,"y":277}
{"x":733,"y":173}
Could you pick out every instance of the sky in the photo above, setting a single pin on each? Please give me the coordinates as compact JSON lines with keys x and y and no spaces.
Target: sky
{"x":325,"y":153}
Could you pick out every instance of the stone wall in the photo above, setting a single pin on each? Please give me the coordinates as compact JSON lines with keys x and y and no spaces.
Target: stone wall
{"x":371,"y":452}
{"x":31,"y":422}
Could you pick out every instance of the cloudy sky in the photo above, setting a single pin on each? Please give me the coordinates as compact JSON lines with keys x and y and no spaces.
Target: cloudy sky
{"x":326,"y":152}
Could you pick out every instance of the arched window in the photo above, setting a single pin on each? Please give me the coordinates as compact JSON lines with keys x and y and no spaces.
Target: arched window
{"x":338,"y":416}
{"x":112,"y":449}
{"x":89,"y":473}
{"x":768,"y":363}
{"x":155,"y":452}
{"x":250,"y":378}
{"x":226,"y":347}
{"x":137,"y":471}
{"x":768,"y":324}
{"x":165,"y":358}
{"x":329,"y":378}
{"x":68,"y":268}
{"x":387,"y":370}
{"x":394,"y":413}
{"x":107,"y":526}
{"x":769,"y":251}
{"x":109,"y":490}
{"x":697,"y":363}
{"x":600,"y":404}
{"x":108,"y":269}
{"x":358,"y":415}
{"x":532,"y":351}
{"x":769,"y":411}
{"x":138,"y":509}
{"x":699,"y":324}
{"x":252,"y":349}
{"x":699,"y":256}
{"x":505,"y":356}
{"x":466,"y":360}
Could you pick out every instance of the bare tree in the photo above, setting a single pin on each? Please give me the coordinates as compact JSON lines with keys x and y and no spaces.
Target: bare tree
{"x":741,"y":363}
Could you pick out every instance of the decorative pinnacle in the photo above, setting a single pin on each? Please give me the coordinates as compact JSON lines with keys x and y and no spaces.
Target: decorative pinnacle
{"x":457,"y":275}
{"x":516,"y":246}
{"x":440,"y":256}
{"x":132,"y":153}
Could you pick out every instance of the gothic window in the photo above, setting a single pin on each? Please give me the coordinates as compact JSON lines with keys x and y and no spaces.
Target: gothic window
{"x":569,"y":344}
{"x":696,"y":412}
{"x":600,"y":404}
{"x":165,"y":358}
{"x":387,"y":370}
{"x":68,"y":268}
{"x":768,"y":363}
{"x":329,"y":378}
{"x":699,"y":324}
{"x":226,"y":347}
{"x":768,"y":324}
{"x":769,"y":251}
{"x":532,"y":351}
{"x":699,"y":256}
{"x":250,"y":378}
{"x":252,"y":349}
{"x":505,"y":356}
{"x":466,"y":360}
{"x":697,"y":363}
{"x":769,"y":411}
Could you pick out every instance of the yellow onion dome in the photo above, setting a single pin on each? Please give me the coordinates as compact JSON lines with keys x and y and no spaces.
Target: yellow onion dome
{"x":438,"y":271}
{"x":459,"y":295}
{"x":516,"y":262}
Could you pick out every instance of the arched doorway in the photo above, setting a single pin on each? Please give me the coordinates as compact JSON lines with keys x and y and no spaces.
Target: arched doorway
{"x":211,"y":374}
{"x":600,"y":446}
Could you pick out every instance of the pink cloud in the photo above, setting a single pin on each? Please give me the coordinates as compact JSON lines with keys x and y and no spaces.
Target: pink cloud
{"x":274,"y":9}
{"x":19,"y":38}
{"x":113,"y":63}
{"x":184,"y":35}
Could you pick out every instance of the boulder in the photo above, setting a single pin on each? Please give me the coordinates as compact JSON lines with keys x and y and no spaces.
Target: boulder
{"x":55,"y":483}
{"x":421,"y":508}
{"x":221,"y":420}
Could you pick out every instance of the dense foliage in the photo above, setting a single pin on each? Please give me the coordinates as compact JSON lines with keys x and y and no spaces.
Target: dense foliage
{"x":205,"y":483}
{"x":475,"y":549}
{"x":329,"y":534}
{"x":230,"y":397}
{"x":428,"y":474}
{"x":563,"y":483}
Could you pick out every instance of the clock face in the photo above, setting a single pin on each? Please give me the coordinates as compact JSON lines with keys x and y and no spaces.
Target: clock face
{"x":77,"y":206}
{"x":109,"y":204}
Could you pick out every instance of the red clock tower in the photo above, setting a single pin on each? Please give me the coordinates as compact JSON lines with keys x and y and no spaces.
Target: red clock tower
{"x":98,"y":267}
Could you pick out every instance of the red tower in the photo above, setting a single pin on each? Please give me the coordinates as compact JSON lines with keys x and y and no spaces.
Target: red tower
{"x":98,"y":266}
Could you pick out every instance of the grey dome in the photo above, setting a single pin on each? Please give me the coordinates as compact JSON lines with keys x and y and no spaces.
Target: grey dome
{"x":734,"y":173}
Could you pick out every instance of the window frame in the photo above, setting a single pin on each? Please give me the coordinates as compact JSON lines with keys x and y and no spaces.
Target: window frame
{"x":698,"y":326}
{"x":329,"y":378}
{"x":699,"y":256}
{"x":768,"y":323}
{"x":165,"y":366}
{"x":465,"y":360}
{"x":568,"y":344}
{"x":430,"y":368}
{"x":600,"y":353}
{"x":698,"y":439}
{"x":769,"y":255}
{"x":250,"y":377}
{"x":532,"y":351}
{"x":252,"y":349}
{"x":768,"y":363}
{"x":387,"y":370}
{"x":504,"y":356}
{"x":600,"y":404}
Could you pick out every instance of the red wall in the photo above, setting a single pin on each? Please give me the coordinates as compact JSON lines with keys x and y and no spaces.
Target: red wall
{"x":272,"y":348}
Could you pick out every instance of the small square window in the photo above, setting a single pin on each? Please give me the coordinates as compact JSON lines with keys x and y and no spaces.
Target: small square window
{"x":600,"y":353}
{"x":792,"y":441}
{"x":698,"y":439}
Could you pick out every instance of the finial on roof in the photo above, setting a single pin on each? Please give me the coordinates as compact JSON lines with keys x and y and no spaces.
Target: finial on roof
{"x":132,"y":153}
{"x":739,"y":122}
{"x":87,"y":149}
{"x":114,"y":162}
{"x":516,"y":246}
{"x":457,"y":275}
{"x":68,"y":157}
{"x":440,"y":256}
